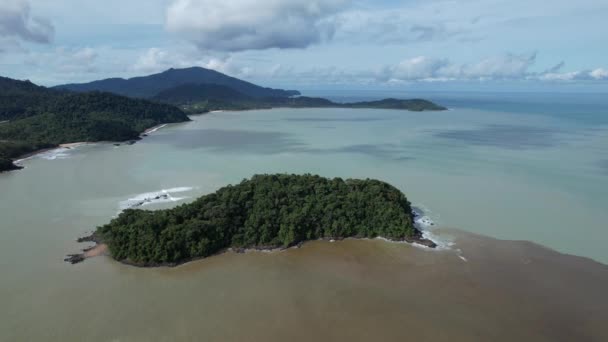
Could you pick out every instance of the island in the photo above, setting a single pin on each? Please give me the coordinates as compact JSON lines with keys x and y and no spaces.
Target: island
{"x":35,"y":118}
{"x":265,"y":212}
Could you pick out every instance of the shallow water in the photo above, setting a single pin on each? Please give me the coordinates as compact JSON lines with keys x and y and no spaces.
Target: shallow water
{"x":496,"y":170}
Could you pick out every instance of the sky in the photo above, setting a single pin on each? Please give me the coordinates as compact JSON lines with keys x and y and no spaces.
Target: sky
{"x":490,"y":45}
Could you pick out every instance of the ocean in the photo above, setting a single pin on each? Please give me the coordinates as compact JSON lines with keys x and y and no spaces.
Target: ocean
{"x":516,"y":186}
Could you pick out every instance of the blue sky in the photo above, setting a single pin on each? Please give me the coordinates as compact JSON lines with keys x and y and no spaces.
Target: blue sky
{"x":308,"y":44}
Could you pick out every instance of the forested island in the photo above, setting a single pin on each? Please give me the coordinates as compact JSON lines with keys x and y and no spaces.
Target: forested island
{"x":264,"y":212}
{"x":36,"y":118}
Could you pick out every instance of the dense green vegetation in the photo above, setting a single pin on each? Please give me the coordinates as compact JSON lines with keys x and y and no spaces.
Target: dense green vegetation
{"x":196,"y":98}
{"x":266,"y":211}
{"x":39,"y":117}
{"x":417,"y":105}
{"x":150,"y":86}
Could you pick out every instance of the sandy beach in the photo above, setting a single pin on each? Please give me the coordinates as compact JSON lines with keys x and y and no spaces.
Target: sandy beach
{"x":73,"y":145}
{"x":98,"y":250}
{"x":154,"y":129}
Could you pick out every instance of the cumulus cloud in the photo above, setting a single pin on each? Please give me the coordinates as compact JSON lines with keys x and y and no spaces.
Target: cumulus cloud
{"x":17,"y":23}
{"x":253,"y":25}
{"x":156,"y":60}
{"x":421,"y":68}
{"x":585,"y":75}
{"x":599,"y":74}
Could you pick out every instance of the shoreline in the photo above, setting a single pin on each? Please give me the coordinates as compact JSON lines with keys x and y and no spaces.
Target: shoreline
{"x":100,"y":248}
{"x":75,"y":144}
{"x":153,"y":129}
{"x":16,"y":161}
{"x":29,"y":155}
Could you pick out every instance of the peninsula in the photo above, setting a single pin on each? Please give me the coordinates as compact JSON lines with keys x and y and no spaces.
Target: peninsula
{"x":37,"y":118}
{"x":265,"y":212}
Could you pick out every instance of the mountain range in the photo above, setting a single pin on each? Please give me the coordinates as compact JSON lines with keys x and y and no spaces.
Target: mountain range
{"x":152,"y":85}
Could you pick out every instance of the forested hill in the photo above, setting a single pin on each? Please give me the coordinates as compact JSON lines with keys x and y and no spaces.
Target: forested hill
{"x":267,"y":211}
{"x":38,"y":117}
{"x":150,"y":86}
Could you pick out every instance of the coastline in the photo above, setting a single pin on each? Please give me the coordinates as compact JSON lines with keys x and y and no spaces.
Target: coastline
{"x":16,"y":161}
{"x":101,"y":248}
{"x":153,"y":129}
{"x":29,"y":155}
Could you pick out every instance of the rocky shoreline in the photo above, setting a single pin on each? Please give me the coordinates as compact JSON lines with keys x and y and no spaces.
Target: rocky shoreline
{"x":100,"y":248}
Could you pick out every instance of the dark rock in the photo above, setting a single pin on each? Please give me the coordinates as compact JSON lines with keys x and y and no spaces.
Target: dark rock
{"x":74,"y":258}
{"x":91,"y":238}
{"x":426,"y":242}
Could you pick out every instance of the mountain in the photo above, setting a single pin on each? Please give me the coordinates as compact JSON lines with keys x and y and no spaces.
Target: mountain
{"x":194,"y":93}
{"x":34,"y":117}
{"x":150,"y":86}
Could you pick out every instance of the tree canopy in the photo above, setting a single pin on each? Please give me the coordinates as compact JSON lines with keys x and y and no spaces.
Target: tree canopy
{"x":266,"y":211}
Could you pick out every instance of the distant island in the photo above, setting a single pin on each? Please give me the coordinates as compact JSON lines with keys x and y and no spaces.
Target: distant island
{"x":265,"y":212}
{"x":33,"y":118}
{"x":198,"y":90}
{"x":203,"y":98}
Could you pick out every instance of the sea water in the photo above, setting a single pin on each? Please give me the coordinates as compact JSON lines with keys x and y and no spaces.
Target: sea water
{"x":515,"y":166}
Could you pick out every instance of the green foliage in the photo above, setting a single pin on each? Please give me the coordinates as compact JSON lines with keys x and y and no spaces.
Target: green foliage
{"x":11,"y":149}
{"x":38,"y":116}
{"x":266,"y":211}
{"x":89,"y":117}
{"x":416,"y":105}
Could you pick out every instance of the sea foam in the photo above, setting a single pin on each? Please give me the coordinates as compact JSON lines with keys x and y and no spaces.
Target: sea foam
{"x":54,"y":154}
{"x":155,"y":197}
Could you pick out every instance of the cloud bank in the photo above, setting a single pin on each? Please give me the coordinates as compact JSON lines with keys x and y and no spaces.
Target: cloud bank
{"x":503,"y":67}
{"x":253,"y":25}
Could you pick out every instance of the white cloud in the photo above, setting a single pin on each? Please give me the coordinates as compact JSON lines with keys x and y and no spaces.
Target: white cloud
{"x":423,"y":68}
{"x":585,"y":75}
{"x":17,"y":23}
{"x":417,"y":68}
{"x":599,"y":74}
{"x":152,"y":60}
{"x":253,"y":25}
{"x":156,"y":60}
{"x":507,"y":66}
